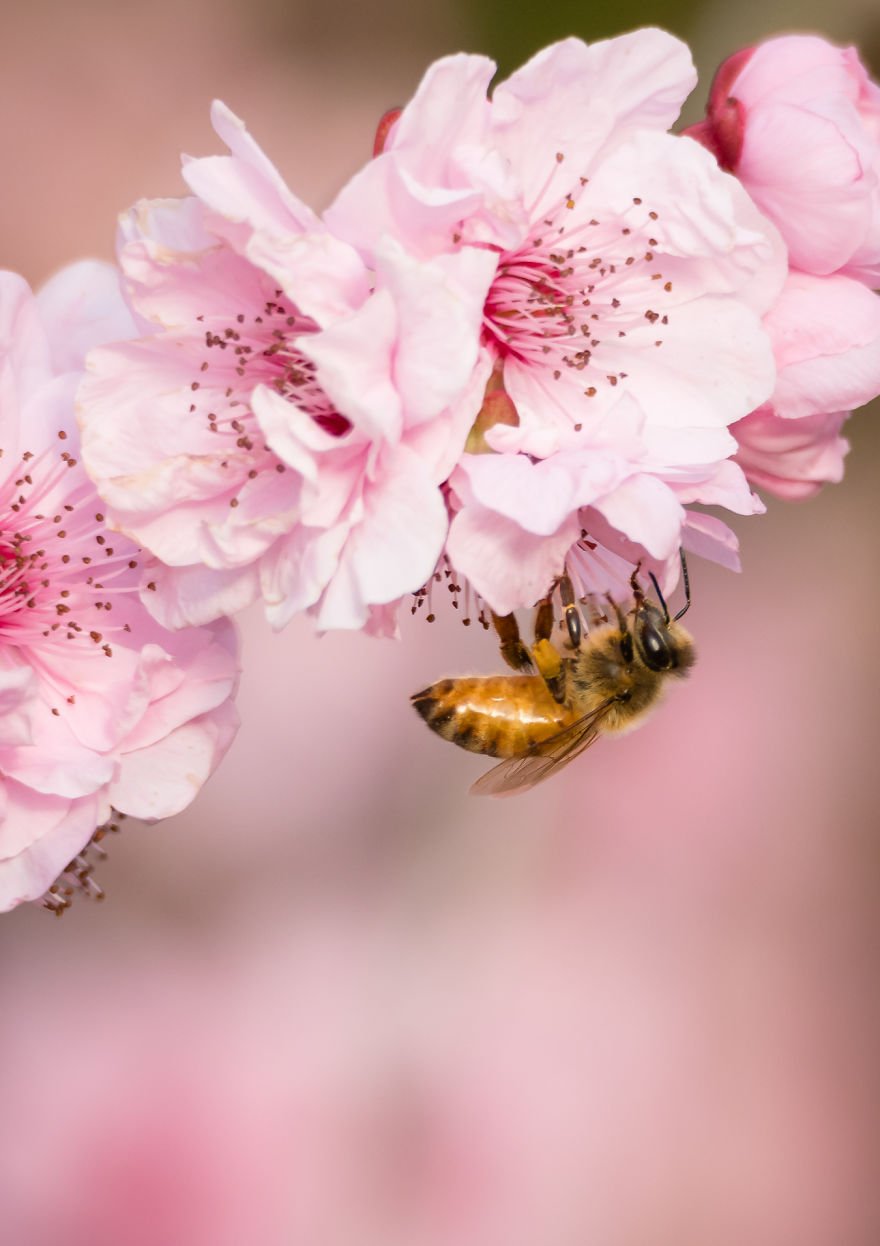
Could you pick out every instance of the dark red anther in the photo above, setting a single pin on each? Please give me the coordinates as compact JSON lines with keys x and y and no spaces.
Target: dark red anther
{"x":333,"y":423}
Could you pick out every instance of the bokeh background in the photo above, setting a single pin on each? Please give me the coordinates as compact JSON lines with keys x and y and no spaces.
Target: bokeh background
{"x":341,"y":1003}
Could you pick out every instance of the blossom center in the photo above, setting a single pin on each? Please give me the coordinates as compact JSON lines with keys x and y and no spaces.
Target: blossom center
{"x":257,"y":348}
{"x":60,"y":569}
{"x":568,"y":298}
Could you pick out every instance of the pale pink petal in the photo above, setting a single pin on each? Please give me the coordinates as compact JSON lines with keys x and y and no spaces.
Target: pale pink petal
{"x":383,"y":621}
{"x":177,"y":270}
{"x":57,"y":828}
{"x":450,"y":107}
{"x":439,"y":307}
{"x":794,"y":69}
{"x":506,"y":565}
{"x":55,"y":768}
{"x":541,"y":496}
{"x":106,"y":700}
{"x":711,"y":347}
{"x":439,"y":443}
{"x":647,"y":512}
{"x":677,"y":452}
{"x":791,"y":458}
{"x":298,"y":569}
{"x":167,"y":479}
{"x":826,"y":336}
{"x":323,"y":276}
{"x":82,"y":307}
{"x":803,"y":173}
{"x":245,"y":186}
{"x":18,"y":693}
{"x":195,"y":595}
{"x":192,"y":676}
{"x":425,"y":182}
{"x":25,"y":354}
{"x":295,"y":437}
{"x":394,"y":548}
{"x":354,"y":358}
{"x":570,"y":98}
{"x":710,"y":237}
{"x":709,"y":537}
{"x":725,"y":485}
{"x":160,"y":780}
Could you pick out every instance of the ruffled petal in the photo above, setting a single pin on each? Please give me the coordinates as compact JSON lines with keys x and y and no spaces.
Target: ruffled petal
{"x":82,"y":307}
{"x":826,"y":337}
{"x":572,"y":98}
{"x":245,"y":186}
{"x":506,"y":565}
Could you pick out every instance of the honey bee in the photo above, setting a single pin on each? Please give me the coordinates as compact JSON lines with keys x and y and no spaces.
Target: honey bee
{"x":538,"y":723}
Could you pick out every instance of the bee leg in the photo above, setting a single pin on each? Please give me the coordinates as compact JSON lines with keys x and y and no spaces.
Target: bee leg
{"x":638,"y":592}
{"x":573,"y":620}
{"x":514,"y":652}
{"x":618,"y":613}
{"x":626,"y":640}
{"x":594,"y":613}
{"x":544,"y":619}
{"x":551,"y":667}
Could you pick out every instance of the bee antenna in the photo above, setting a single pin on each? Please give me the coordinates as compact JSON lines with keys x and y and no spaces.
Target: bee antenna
{"x":686,"y":580}
{"x":660,"y":596}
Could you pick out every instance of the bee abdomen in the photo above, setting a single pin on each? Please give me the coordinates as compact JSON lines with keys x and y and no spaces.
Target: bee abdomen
{"x":500,"y":716}
{"x":452,"y":721}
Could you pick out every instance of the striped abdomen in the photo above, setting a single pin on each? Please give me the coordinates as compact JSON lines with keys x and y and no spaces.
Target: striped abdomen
{"x":496,"y":714}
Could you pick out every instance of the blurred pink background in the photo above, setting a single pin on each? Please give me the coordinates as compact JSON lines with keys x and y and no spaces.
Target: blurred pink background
{"x":341,"y":1003}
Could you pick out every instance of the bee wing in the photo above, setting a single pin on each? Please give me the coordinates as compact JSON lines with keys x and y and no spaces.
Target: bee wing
{"x":518,"y":774}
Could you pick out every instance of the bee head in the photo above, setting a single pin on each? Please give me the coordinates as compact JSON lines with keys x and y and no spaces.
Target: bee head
{"x":662,"y":645}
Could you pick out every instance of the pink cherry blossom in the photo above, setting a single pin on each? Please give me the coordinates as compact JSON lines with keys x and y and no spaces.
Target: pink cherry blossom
{"x":622,"y":325}
{"x":594,"y":510}
{"x":102,"y":708}
{"x":798,"y":120}
{"x":826,"y":338}
{"x":284,"y":431}
{"x":792,"y":459}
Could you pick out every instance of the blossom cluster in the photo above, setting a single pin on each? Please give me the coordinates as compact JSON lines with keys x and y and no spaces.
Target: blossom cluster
{"x":537,"y":333}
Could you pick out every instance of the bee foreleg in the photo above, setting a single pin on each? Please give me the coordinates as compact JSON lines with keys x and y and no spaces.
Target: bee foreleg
{"x":514,"y":652}
{"x":595,"y":615}
{"x":620,"y":616}
{"x":638,"y":594}
{"x":626,"y":640}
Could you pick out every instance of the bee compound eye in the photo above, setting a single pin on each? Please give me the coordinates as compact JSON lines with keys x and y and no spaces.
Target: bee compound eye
{"x":656,"y":650}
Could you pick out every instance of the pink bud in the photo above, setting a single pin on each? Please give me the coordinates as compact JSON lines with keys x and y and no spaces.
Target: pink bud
{"x":722,"y":131}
